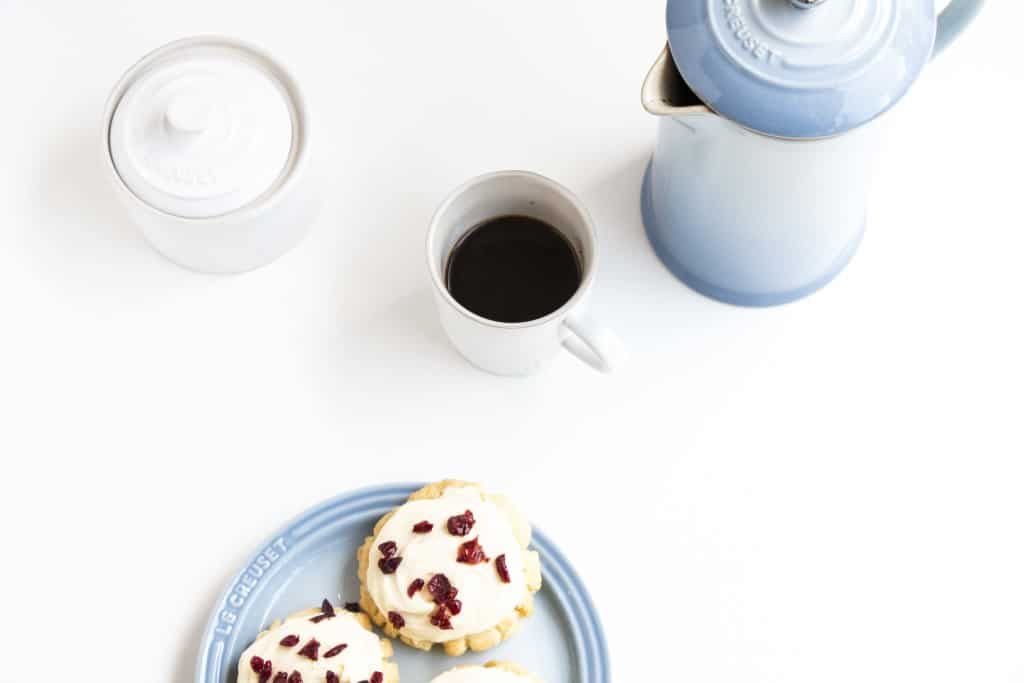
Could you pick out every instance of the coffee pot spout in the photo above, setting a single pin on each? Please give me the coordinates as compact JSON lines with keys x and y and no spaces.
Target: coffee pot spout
{"x":665,"y":93}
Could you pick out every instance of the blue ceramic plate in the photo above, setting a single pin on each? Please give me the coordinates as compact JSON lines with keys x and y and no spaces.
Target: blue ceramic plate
{"x":314,"y":557}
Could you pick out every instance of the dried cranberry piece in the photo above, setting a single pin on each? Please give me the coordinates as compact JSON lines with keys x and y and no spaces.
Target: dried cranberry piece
{"x":502,"y":567}
{"x":296,"y":677}
{"x":336,"y":650}
{"x":290,"y":641}
{"x":423,"y":527}
{"x":396,"y":619}
{"x":388,"y":548}
{"x":415,"y":587}
{"x":461,"y":525}
{"x":353,"y":607}
{"x":454,"y":606}
{"x":441,"y":589}
{"x":256,"y":663}
{"x":281,"y":677}
{"x":310,"y":649}
{"x":471,"y":552}
{"x":377,"y":677}
{"x":332,"y":677}
{"x":441,"y":619}
{"x":389,"y":565}
{"x":326,"y":612}
{"x":268,"y":669}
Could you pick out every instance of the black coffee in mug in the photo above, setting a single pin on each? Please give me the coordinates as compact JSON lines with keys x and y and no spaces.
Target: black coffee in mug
{"x":513,"y":269}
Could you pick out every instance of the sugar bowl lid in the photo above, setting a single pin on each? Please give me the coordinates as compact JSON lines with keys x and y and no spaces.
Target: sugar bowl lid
{"x":203,"y":127}
{"x":800,"y":68}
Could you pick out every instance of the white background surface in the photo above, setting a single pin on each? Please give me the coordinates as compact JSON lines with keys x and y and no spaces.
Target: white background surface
{"x":829,"y":491}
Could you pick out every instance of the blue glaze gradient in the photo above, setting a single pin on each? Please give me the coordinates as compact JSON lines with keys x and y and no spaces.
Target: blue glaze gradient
{"x":675,"y":260}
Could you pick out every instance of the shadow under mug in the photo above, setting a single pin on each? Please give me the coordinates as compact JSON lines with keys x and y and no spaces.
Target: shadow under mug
{"x":519,"y":348}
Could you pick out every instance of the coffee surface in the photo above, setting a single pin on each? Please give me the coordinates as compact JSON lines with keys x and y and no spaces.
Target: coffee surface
{"x":513,"y":269}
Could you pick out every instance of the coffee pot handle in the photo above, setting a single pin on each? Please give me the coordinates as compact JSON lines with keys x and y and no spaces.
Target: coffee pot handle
{"x":592,"y":343}
{"x":953,"y":20}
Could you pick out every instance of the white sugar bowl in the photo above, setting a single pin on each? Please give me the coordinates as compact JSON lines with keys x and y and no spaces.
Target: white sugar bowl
{"x":207,"y":142}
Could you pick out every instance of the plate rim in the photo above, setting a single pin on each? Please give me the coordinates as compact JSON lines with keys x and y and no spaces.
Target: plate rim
{"x":557,"y":560}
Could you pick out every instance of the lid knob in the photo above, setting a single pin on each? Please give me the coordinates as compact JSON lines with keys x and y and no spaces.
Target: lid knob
{"x":807,"y":4}
{"x":188,"y":113}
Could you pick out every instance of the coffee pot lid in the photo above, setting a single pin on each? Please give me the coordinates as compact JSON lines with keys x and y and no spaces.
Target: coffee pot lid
{"x":203,"y":130}
{"x":800,"y":68}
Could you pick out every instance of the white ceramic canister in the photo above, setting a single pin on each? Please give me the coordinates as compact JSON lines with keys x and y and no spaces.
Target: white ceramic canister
{"x":207,"y":141}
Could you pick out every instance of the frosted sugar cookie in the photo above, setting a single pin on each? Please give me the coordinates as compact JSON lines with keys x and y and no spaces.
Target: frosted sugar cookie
{"x":450,"y":566}
{"x":491,"y":672}
{"x":318,"y":646}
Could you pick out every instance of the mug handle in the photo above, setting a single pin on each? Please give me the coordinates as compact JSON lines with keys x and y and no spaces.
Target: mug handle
{"x":953,"y":20}
{"x":592,"y":343}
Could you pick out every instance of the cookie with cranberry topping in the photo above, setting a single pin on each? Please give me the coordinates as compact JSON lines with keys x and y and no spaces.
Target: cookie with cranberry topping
{"x":451,"y":567}
{"x":318,"y":645}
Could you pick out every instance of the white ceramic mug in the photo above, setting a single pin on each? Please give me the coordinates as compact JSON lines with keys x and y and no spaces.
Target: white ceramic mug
{"x":519,"y":348}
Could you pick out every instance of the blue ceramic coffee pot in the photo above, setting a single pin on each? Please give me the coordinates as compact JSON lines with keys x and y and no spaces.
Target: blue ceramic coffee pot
{"x":770,"y":124}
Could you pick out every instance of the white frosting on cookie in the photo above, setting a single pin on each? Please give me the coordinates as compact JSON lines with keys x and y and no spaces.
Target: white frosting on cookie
{"x":479,"y":674}
{"x":355,"y":663}
{"x":486,"y":599}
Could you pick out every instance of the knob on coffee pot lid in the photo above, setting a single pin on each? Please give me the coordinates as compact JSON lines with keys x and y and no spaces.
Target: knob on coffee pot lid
{"x":204,"y":130}
{"x":800,"y":68}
